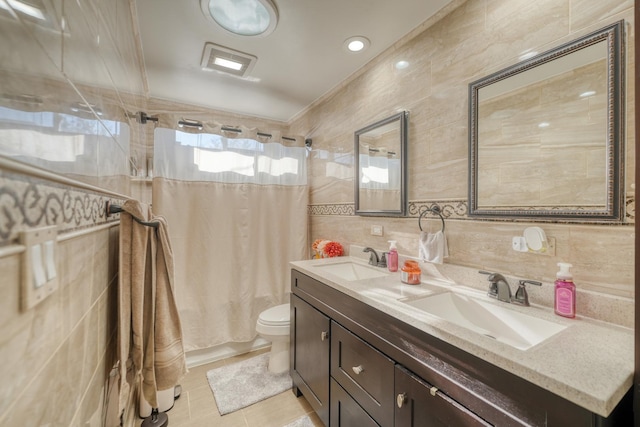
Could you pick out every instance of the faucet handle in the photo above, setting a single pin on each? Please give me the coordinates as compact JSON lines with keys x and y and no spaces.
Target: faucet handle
{"x":522,"y":297}
{"x":383,"y":260}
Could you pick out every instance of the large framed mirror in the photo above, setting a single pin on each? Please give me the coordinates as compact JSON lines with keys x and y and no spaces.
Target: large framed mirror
{"x":381,"y":165}
{"x":546,"y":135}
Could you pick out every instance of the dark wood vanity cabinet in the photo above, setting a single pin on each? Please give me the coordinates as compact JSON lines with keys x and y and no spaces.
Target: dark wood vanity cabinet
{"x":310,"y":343}
{"x":359,"y":367}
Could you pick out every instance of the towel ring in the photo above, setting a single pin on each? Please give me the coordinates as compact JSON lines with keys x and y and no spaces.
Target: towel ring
{"x":435,"y":210}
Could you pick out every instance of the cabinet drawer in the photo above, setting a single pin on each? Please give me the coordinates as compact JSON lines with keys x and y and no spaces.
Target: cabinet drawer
{"x":345,"y":412}
{"x":365,"y":373}
{"x":419,"y":404}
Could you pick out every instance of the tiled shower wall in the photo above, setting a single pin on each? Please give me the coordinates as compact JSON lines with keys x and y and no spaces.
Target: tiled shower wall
{"x":476,"y":39}
{"x":56,"y":357}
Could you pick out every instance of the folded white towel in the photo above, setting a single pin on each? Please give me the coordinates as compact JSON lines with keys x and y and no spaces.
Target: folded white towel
{"x":433,"y":247}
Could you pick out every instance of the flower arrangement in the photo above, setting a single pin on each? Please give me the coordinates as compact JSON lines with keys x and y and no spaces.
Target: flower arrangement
{"x":327,"y":248}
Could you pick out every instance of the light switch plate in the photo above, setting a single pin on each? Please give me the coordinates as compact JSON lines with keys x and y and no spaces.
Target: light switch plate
{"x":36,"y":283}
{"x":377,"y":230}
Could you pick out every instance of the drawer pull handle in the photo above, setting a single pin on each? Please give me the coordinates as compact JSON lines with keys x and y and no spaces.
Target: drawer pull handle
{"x":324,"y":335}
{"x":358,"y":369}
{"x":401,"y":399}
{"x":433,"y":390}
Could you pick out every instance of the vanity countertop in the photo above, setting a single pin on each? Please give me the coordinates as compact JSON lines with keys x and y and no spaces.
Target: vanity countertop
{"x":590,"y":363}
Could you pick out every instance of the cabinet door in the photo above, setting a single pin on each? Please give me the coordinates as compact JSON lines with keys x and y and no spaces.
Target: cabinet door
{"x":345,"y":412}
{"x":310,"y":345}
{"x":419,"y":404}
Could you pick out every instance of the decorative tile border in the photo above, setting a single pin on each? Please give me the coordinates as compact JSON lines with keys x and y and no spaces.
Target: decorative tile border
{"x":28,"y":202}
{"x":454,"y":209}
{"x":340,"y":209}
{"x":450,"y":209}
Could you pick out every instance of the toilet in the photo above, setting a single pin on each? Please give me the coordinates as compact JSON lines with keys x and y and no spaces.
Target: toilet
{"x":273,"y":325}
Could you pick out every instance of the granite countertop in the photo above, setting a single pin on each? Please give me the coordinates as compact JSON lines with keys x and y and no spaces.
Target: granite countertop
{"x":589,"y":363}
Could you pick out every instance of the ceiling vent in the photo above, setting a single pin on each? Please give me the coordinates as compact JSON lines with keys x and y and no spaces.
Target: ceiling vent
{"x":220,"y":58}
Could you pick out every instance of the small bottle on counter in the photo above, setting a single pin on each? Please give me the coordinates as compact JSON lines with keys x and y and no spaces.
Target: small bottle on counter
{"x":411,"y":273}
{"x":565,"y":292}
{"x":392,"y":256}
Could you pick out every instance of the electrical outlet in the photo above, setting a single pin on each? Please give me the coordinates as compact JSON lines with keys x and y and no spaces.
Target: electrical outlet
{"x":377,"y":230}
{"x":519,"y":244}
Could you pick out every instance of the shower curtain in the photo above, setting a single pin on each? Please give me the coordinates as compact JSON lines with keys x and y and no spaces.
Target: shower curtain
{"x":238,"y":214}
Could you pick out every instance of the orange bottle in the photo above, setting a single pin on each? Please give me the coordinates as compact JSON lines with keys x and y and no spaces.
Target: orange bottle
{"x":411,"y":273}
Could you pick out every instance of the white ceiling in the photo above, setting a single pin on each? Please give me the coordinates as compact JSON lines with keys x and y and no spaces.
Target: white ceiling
{"x":297,"y":63}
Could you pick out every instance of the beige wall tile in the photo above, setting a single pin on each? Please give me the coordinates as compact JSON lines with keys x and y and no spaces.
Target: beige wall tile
{"x":476,"y":39}
{"x":54,"y":354}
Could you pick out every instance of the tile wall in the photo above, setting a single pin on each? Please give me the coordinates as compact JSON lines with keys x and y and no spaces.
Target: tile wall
{"x":57,"y":356}
{"x":476,"y":39}
{"x":66,"y":85}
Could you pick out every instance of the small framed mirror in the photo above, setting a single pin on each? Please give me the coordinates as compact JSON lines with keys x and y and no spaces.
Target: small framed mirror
{"x":381,"y":165}
{"x":546,"y":135}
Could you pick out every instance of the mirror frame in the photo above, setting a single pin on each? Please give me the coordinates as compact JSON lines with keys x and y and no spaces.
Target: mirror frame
{"x":613,"y":209}
{"x":403,"y":118}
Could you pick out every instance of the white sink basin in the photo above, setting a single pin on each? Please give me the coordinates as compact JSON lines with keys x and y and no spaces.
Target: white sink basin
{"x":352,"y":271}
{"x":503,"y":324}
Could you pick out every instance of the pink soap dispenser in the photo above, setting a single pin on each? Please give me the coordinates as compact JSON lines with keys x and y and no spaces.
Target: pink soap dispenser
{"x":565,"y":292}
{"x":392,"y":256}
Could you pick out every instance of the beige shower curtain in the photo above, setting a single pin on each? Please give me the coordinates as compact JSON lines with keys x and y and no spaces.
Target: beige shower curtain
{"x":232,"y":243}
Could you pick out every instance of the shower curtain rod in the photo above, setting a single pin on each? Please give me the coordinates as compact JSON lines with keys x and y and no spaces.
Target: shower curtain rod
{"x":114,"y":209}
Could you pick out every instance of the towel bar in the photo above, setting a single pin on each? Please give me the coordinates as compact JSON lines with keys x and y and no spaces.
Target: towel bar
{"x":114,"y":209}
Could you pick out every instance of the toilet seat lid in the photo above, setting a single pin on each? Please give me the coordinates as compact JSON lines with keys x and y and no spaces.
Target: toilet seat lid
{"x":278,"y":315}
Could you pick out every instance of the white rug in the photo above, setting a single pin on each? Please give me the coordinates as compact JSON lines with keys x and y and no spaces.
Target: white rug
{"x":241,"y":384}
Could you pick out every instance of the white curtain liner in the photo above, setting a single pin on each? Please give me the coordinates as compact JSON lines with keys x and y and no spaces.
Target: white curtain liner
{"x":203,"y":157}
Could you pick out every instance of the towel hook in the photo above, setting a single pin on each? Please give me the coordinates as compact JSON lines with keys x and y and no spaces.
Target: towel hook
{"x":435,"y":209}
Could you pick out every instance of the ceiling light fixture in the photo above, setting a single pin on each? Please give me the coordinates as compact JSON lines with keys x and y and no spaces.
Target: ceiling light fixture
{"x":220,"y":58}
{"x":401,"y":65}
{"x":253,"y":18}
{"x":227,"y":63}
{"x":587,"y":94}
{"x":356,"y":44}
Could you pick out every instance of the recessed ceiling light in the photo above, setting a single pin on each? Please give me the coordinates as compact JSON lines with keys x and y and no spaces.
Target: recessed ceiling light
{"x":587,"y":93}
{"x":227,"y":63}
{"x":220,"y":58}
{"x":356,"y":44}
{"x":401,"y":65}
{"x":243,"y":18}
{"x":544,"y":125}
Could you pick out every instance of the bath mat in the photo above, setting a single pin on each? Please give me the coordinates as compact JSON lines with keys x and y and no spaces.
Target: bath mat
{"x":244,"y":383}
{"x":301,"y":422}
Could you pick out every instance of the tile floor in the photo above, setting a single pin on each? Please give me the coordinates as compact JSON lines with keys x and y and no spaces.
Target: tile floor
{"x":197,"y":407}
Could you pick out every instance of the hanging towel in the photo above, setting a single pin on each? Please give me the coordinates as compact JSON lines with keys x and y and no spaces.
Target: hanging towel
{"x":150,"y":344}
{"x":433,"y":247}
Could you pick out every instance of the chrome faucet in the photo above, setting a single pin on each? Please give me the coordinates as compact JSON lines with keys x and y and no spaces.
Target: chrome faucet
{"x":373,"y":257}
{"x":500,"y":289}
